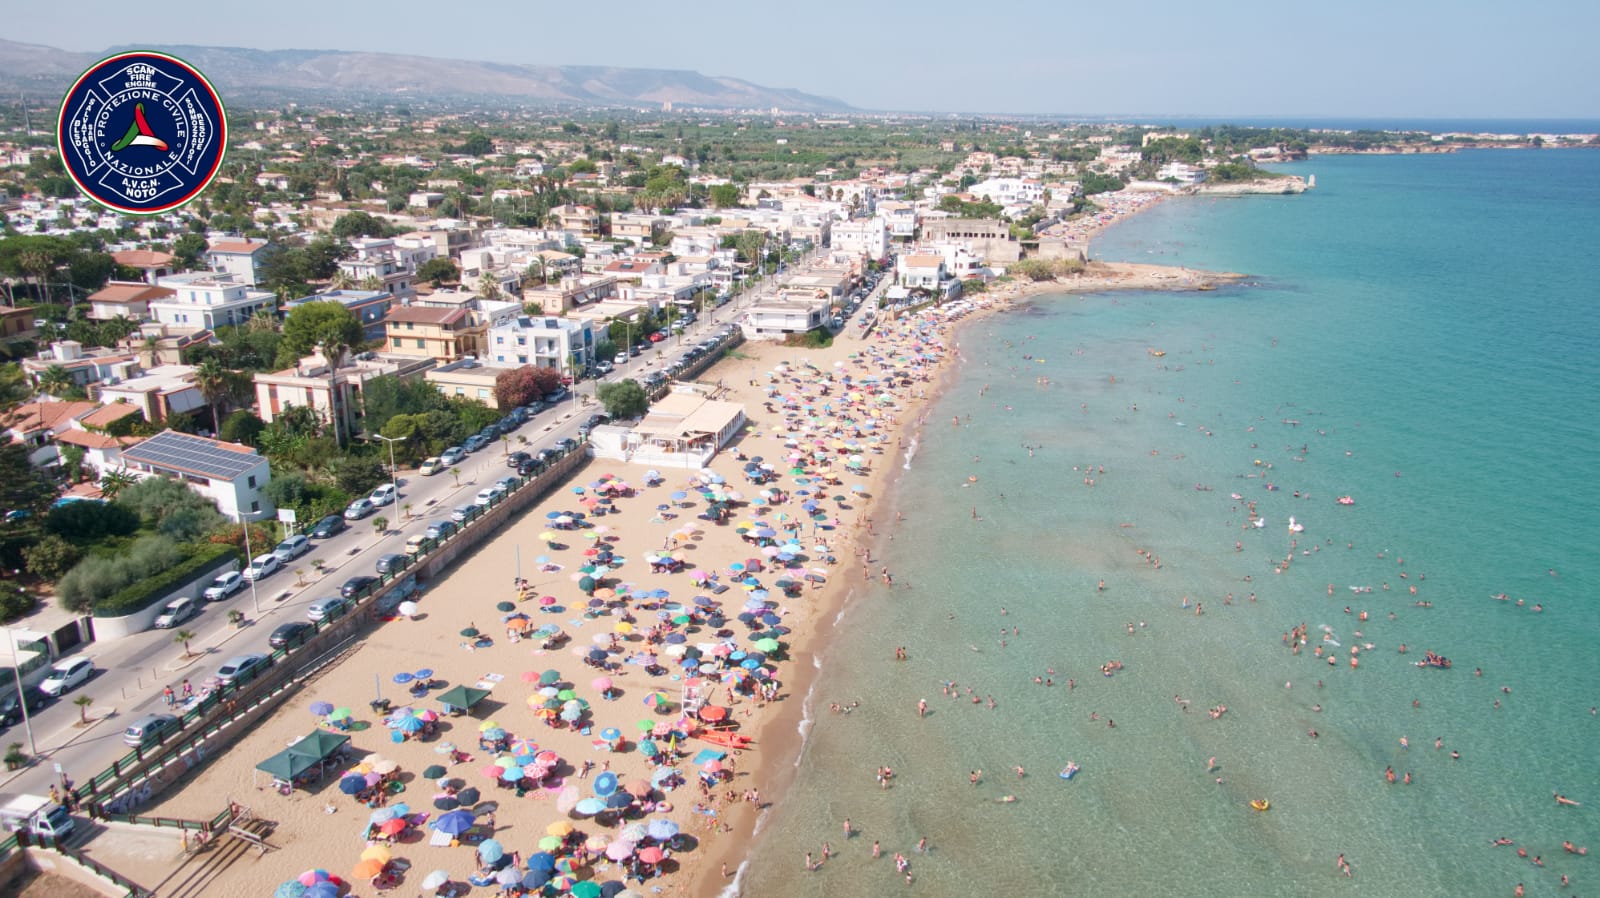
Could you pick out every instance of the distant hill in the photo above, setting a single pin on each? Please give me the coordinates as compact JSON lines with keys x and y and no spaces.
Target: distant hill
{"x":311,"y":74}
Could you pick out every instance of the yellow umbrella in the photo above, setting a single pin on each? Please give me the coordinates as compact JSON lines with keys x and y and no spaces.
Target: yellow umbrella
{"x":548,"y":535}
{"x":623,"y":627}
{"x":559,"y":828}
{"x":377,"y":853}
{"x":486,"y":726}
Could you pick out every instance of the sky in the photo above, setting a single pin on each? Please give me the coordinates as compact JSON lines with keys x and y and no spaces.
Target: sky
{"x":1354,"y":59}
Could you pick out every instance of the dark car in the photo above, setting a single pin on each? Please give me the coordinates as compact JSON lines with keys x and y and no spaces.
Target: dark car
{"x":356,"y":585}
{"x":11,"y":710}
{"x":328,"y":526}
{"x":291,"y":634}
{"x":530,"y":467}
{"x":393,"y":563}
{"x":557,"y":395}
{"x":517,"y":459}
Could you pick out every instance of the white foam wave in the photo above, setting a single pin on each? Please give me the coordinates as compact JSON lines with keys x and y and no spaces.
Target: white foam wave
{"x":731,"y":890}
{"x":806,"y":720}
{"x":911,"y":451}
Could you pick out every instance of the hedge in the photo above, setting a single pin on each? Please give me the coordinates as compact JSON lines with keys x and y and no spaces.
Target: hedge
{"x":138,"y":596}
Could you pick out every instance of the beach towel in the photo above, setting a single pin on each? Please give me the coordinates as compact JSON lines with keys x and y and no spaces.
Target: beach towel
{"x":440,"y":839}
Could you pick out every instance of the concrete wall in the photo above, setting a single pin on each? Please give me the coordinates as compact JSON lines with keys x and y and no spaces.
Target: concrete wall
{"x":57,"y":864}
{"x":108,"y":628}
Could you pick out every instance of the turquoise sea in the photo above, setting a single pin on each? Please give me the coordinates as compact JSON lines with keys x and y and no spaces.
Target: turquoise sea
{"x":1417,"y":333}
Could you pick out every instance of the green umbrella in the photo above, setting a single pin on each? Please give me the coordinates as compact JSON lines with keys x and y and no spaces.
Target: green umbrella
{"x":566,"y":695}
{"x":506,"y":606}
{"x":549,"y":843}
{"x":681,"y":619}
{"x":470,"y":632}
{"x":586,"y":585}
{"x":767,"y":645}
{"x":646,"y":726}
{"x":550,"y":677}
{"x":587,"y":888}
{"x":434,"y":772}
{"x":340,"y":714}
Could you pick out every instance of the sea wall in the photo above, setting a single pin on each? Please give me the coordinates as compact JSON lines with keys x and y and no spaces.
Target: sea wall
{"x":1273,"y":186}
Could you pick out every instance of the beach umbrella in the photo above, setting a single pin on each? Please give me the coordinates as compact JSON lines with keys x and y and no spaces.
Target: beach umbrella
{"x":321,"y":709}
{"x":535,"y":879}
{"x":648,"y":748}
{"x":618,"y":800}
{"x":407,"y":609}
{"x":367,"y":869}
{"x":633,"y":832}
{"x":559,"y":828}
{"x":589,"y":806}
{"x":446,"y":803}
{"x":767,"y":645}
{"x":409,"y":724}
{"x":550,"y":677}
{"x":562,"y":882}
{"x":324,"y":889}
{"x":339,"y":714}
{"x":601,"y":683}
{"x":454,"y":823}
{"x":508,"y":877}
{"x":490,"y":850}
{"x":435,"y":879}
{"x":652,"y":854}
{"x":352,"y":785}
{"x":434,"y":771}
{"x":393,"y":827}
{"x":512,"y":774}
{"x":404,"y":678}
{"x":542,"y":860}
{"x":605,"y":783}
{"x":444,"y":748}
{"x":550,"y":843}
{"x":380,"y":816}
{"x":469,"y":632}
{"x":646,"y":726}
{"x":587,"y":888}
{"x":567,"y":799}
{"x":290,"y":889}
{"x":377,"y":853}
{"x":313,"y":876}
{"x":620,"y":850}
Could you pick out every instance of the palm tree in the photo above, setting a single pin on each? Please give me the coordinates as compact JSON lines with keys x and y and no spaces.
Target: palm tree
{"x":342,"y":280}
{"x":537,"y":271}
{"x":152,"y":350}
{"x":372,"y":283}
{"x":183,"y":637}
{"x":407,"y":508}
{"x":214,"y":382}
{"x":456,"y":473}
{"x":56,"y":380}
{"x":113,"y":482}
{"x":83,"y":702}
{"x":489,"y":286}
{"x":380,"y":524}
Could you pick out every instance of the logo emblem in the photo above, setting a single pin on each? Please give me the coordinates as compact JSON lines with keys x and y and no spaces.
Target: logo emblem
{"x":142,"y":132}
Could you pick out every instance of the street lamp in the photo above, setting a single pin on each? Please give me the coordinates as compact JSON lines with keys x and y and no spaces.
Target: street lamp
{"x":22,"y":700}
{"x":249,"y":557}
{"x":393,"y":478}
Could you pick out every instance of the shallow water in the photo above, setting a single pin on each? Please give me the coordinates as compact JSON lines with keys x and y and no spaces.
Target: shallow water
{"x":1426,"y":321}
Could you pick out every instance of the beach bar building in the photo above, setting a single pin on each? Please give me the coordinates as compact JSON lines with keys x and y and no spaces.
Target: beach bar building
{"x":684,"y":429}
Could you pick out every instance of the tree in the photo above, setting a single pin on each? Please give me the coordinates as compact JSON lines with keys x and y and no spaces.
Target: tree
{"x":212,"y":379}
{"x":188,"y":249}
{"x":380,"y":524}
{"x":14,"y":386}
{"x":439,"y":270}
{"x":624,"y":399}
{"x":86,"y":522}
{"x":22,"y":486}
{"x":489,"y":286}
{"x":51,"y":556}
{"x":326,"y":325}
{"x":520,"y":386}
{"x":243,"y":426}
{"x":724,"y":196}
{"x":113,"y":482}
{"x":83,"y":702}
{"x":183,"y":638}
{"x":56,"y":380}
{"x":359,"y":224}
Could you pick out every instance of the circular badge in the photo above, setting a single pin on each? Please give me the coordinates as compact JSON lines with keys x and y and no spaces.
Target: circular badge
{"x":142,"y":132}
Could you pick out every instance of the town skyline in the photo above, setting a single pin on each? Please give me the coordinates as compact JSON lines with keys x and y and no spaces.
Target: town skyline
{"x":1371,"y":62}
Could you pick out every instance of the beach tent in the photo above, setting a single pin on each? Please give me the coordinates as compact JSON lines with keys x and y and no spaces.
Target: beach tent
{"x":463,"y":697}
{"x":302,"y":756}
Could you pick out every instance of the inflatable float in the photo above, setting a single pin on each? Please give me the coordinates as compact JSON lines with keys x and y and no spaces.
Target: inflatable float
{"x":1260,"y":804}
{"x":1069,"y":771}
{"x":724,"y":738}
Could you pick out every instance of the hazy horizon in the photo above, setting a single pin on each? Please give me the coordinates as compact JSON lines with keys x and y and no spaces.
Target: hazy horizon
{"x":1365,"y":60}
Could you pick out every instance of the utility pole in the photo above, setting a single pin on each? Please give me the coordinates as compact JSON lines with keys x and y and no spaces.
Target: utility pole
{"x":22,"y":700}
{"x":394,"y":480}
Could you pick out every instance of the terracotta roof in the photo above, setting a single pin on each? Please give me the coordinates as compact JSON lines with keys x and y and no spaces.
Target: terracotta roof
{"x":142,"y":258}
{"x":424,"y":315}
{"x":236,"y":246}
{"x":924,"y":261}
{"x":129,"y":292}
{"x":93,"y":440}
{"x":628,"y":265}
{"x":46,"y":414}
{"x":106,"y":415}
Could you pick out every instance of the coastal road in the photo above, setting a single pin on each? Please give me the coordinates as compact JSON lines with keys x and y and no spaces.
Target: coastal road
{"x":131,"y":672}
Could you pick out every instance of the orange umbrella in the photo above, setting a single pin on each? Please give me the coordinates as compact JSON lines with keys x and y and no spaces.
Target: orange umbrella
{"x":367,"y":869}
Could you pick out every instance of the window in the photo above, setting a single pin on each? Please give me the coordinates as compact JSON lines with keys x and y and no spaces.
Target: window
{"x":252,"y":481}
{"x":483,"y":393}
{"x":255,"y":507}
{"x":421,"y":343}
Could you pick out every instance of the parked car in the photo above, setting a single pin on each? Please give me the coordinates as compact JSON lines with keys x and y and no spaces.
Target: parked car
{"x":489,"y":494}
{"x":384,"y":495}
{"x":355,"y":585}
{"x":262,"y":566}
{"x":516,"y":459}
{"x":460,"y":513}
{"x":67,"y":675}
{"x":657,"y":337}
{"x":225,"y":585}
{"x":177,"y":611}
{"x":292,"y":548}
{"x":11,"y":707}
{"x":530,"y":467}
{"x":603,"y":368}
{"x":291,"y":634}
{"x":559,"y":394}
{"x":416,"y":542}
{"x":452,"y":456}
{"x":440,"y":529}
{"x":566,"y":444}
{"x":359,"y":509}
{"x":432,"y":466}
{"x":327,"y":609}
{"x":392,"y":562}
{"x":242,"y":669}
{"x":150,"y":730}
{"x":506,"y":483}
{"x":329,"y":526}
{"x":474,"y":443}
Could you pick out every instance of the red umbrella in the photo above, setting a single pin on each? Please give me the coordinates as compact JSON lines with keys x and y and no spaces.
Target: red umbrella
{"x":392,"y":827}
{"x":713,"y":712}
{"x":651,"y":855}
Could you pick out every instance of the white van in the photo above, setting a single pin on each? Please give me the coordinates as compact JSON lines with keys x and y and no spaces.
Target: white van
{"x":38,"y":815}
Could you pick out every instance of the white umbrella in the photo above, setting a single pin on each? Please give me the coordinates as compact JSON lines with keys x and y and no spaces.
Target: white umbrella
{"x":435,"y":879}
{"x":407,"y":609}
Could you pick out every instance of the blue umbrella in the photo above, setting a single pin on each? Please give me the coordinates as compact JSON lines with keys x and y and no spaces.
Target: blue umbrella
{"x":619,"y":800}
{"x":770,"y":618}
{"x":352,"y":785}
{"x":321,"y":709}
{"x":493,"y":733}
{"x":648,"y":748}
{"x":749,"y":664}
{"x":513,"y":773}
{"x":544,"y":860}
{"x":679,"y":496}
{"x":291,"y":889}
{"x":424,"y":673}
{"x":490,"y":851}
{"x":410,"y":724}
{"x":535,"y":879}
{"x":404,"y":678}
{"x":612,"y":888}
{"x":454,"y":823}
{"x":552,"y":515}
{"x":677,"y":638}
{"x":605,"y":783}
{"x":611,"y":734}
{"x":659,"y":594}
{"x":590,"y":806}
{"x":661,"y":829}
{"x":323,"y":889}
{"x":381,"y":815}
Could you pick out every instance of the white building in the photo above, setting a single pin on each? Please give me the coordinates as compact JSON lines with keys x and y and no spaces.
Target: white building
{"x":683,"y":429}
{"x":774,"y":319}
{"x":543,"y":342}
{"x":161,"y":392}
{"x":206,"y":300}
{"x":1009,"y":191}
{"x":230,"y":474}
{"x":919,"y":270}
{"x":241,"y":258}
{"x":864,"y":236}
{"x":900,"y":218}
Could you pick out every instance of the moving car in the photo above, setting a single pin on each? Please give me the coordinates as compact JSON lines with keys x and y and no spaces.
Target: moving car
{"x":432,"y":466}
{"x":292,"y":548}
{"x":262,"y":566}
{"x":384,"y":495}
{"x":327,"y":527}
{"x":603,"y":368}
{"x":327,"y":609}
{"x":225,"y":585}
{"x":242,"y":669}
{"x":359,"y":509}
{"x":67,"y":675}
{"x":150,"y":730}
{"x":290,"y":634}
{"x":354,"y":586}
{"x":177,"y":611}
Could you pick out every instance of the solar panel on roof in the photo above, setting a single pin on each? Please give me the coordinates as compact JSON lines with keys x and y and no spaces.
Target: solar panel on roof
{"x":184,"y":452}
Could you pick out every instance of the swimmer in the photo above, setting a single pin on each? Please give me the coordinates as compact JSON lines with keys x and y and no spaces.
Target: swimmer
{"x":1562,"y":799}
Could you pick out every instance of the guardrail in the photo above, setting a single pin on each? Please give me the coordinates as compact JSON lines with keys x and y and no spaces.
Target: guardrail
{"x":220,"y":707}
{"x":21,"y":839}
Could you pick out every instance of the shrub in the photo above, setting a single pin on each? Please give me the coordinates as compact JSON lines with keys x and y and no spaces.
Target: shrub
{"x":142,"y":594}
{"x":52,"y":555}
{"x":812,"y":339}
{"x":14,"y":605}
{"x":99,"y":577}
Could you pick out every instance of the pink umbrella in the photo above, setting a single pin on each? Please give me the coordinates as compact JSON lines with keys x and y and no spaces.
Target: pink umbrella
{"x":493,"y":772}
{"x":547,"y":757}
{"x":651,"y":855}
{"x":567,"y":800}
{"x":620,"y":850}
{"x":708,"y":767}
{"x":601,"y":683}
{"x":547,"y":601}
{"x":530,"y":676}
